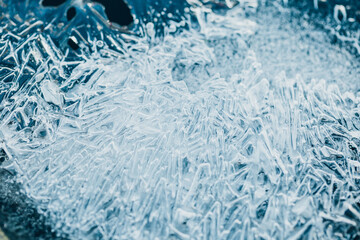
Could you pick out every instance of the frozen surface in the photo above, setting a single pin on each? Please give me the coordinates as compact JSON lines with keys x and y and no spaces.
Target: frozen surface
{"x":244,"y":125}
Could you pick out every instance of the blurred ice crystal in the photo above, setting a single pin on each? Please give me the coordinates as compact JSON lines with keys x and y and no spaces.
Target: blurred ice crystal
{"x":244,"y":125}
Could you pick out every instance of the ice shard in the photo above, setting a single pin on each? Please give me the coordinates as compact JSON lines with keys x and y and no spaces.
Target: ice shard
{"x":234,"y":119}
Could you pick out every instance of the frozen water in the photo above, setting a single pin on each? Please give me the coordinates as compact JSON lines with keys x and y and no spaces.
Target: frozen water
{"x":244,"y":125}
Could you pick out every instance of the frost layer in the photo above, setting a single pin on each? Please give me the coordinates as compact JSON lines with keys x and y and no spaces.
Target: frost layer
{"x":228,"y":130}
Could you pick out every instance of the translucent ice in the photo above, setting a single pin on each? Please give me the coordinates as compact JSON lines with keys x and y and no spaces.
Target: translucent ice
{"x":244,"y":125}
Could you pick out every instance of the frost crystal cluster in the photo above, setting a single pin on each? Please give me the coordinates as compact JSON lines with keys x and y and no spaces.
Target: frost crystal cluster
{"x":243,"y":124}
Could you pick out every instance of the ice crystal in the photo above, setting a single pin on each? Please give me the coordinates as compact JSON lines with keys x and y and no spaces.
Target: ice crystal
{"x":243,"y":125}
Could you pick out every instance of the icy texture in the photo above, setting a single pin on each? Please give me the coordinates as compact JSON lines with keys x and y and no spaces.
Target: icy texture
{"x":341,"y":18}
{"x":244,"y":126}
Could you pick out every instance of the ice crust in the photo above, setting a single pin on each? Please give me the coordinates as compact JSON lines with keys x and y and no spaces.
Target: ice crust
{"x":246,"y":125}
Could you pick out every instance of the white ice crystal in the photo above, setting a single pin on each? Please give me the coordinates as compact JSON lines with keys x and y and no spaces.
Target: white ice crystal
{"x":245,"y":128}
